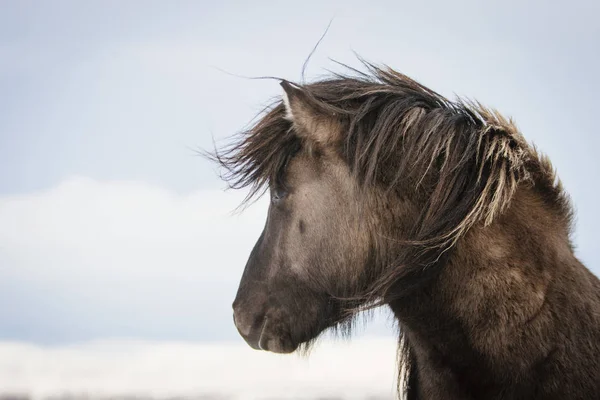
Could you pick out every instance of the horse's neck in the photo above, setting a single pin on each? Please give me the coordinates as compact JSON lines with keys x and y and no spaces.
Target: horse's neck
{"x":506,"y":297}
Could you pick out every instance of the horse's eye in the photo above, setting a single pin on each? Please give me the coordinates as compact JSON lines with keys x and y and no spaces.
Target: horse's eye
{"x":277,"y":195}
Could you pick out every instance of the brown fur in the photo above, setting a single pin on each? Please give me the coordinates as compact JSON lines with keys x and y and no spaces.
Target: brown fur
{"x":388,"y":193}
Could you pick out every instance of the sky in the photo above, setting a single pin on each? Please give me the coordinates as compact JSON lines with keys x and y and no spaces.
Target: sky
{"x":112,"y":227}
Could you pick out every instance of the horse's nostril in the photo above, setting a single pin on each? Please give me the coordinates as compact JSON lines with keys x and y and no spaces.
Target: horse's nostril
{"x":242,"y":323}
{"x":249,"y":325}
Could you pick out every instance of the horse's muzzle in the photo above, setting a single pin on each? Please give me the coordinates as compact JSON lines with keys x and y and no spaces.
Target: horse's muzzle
{"x":262,"y":332}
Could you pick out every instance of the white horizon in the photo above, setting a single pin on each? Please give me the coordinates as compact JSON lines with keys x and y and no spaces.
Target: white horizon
{"x":357,"y":369}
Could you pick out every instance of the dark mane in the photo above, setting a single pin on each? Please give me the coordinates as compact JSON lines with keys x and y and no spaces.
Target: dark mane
{"x":259,"y":155}
{"x":467,"y":158}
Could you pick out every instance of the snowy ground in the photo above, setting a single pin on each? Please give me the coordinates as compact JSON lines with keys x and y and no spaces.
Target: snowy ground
{"x":359,"y":369}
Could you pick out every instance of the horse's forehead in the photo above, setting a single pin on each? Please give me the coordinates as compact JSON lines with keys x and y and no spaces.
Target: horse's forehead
{"x":303,"y":168}
{"x":306,"y":168}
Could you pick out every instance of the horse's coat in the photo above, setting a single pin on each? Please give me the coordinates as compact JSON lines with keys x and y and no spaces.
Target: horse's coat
{"x":385,"y":192}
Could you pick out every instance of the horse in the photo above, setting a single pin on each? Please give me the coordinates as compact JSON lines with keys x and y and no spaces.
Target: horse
{"x":384,"y":192}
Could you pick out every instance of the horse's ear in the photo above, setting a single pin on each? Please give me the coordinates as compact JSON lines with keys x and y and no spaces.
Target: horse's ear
{"x":310,"y":120}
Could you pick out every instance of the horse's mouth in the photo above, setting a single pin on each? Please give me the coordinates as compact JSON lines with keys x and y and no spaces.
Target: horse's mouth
{"x":275,"y":343}
{"x":268,"y":336}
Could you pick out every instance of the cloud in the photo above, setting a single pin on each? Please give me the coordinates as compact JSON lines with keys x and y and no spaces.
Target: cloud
{"x":127,"y":221}
{"x":89,"y":258}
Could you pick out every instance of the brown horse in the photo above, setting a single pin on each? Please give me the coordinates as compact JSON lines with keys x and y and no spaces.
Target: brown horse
{"x":385,"y":192}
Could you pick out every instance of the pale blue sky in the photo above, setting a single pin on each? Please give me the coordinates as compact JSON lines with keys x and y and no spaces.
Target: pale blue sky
{"x":101,"y":103}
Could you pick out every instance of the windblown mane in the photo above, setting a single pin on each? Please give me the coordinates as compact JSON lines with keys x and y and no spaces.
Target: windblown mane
{"x":467,"y":160}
